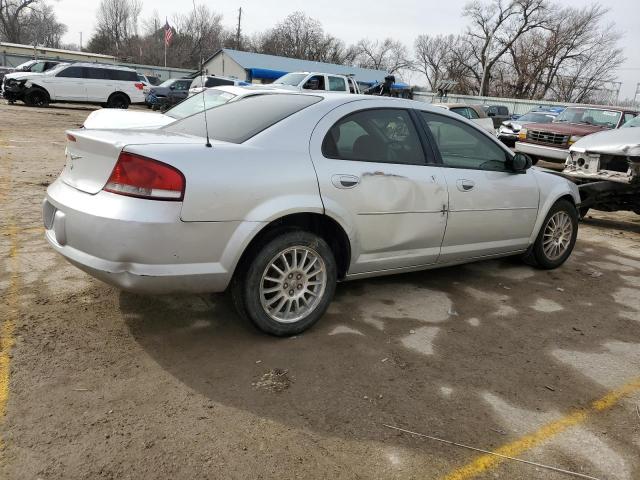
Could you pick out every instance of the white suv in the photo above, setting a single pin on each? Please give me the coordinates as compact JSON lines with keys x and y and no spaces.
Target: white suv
{"x":108,"y":85}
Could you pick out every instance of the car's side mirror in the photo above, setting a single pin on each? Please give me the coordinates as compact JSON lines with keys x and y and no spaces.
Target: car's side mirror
{"x":172,"y":87}
{"x":521,"y":162}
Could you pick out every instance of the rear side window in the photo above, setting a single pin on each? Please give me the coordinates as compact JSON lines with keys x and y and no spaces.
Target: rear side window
{"x":97,"y":73}
{"x":123,"y":75}
{"x":378,"y":135}
{"x":72,"y":72}
{"x":238,"y":121}
{"x":336,"y":84}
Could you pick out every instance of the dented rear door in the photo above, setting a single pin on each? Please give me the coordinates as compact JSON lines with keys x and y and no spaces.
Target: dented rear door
{"x":377,"y":180}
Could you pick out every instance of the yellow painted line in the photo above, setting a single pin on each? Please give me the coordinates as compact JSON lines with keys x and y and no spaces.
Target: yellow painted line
{"x":12,"y":300}
{"x":9,"y":324}
{"x":486,"y":462}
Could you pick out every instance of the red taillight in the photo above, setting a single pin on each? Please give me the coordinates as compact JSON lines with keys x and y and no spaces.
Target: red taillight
{"x":71,"y":138}
{"x":139,"y":86}
{"x":143,"y":177}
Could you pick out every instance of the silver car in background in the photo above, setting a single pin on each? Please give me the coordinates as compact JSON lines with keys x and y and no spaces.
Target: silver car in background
{"x":286,"y":194}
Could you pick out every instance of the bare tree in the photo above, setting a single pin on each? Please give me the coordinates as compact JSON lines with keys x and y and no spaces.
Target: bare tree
{"x":117,"y":24}
{"x":300,"y":36}
{"x":496,"y":26}
{"x":388,"y":55}
{"x":436,"y":57}
{"x":43,"y":28}
{"x":29,"y":21}
{"x":198,"y":34}
{"x":574,"y":56}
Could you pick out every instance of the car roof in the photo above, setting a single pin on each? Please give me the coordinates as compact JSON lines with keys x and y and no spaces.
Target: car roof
{"x":602,"y":107}
{"x":101,"y":65}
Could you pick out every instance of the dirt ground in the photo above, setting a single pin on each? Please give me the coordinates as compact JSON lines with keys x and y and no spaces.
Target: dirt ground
{"x":538,"y":365}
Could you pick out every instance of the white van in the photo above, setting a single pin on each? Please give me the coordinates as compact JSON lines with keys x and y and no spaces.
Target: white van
{"x":108,"y":85}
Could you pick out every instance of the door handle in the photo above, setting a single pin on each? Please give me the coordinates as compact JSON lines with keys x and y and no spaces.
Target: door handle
{"x":465,"y":185}
{"x":345,"y":181}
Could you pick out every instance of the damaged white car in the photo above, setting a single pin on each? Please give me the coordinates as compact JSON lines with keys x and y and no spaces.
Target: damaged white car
{"x":606,"y":167}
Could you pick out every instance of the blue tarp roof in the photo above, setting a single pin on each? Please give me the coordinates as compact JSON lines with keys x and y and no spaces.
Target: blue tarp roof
{"x":266,"y":64}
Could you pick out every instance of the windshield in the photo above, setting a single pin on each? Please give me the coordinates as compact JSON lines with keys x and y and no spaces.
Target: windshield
{"x":167,"y":83}
{"x":56,"y":69}
{"x":535,"y":117}
{"x":238,"y":121}
{"x":25,"y":65}
{"x":196,"y":104}
{"x":598,"y":117}
{"x":291,"y":79}
{"x":634,"y":122}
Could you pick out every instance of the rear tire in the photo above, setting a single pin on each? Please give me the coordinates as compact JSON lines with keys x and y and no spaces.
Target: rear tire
{"x":288,"y":284}
{"x":556,"y":238}
{"x":118,"y":100}
{"x":36,"y":97}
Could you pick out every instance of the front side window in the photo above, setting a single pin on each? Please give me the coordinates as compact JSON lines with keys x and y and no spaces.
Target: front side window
{"x":462,"y":146}
{"x":315,"y":83}
{"x":377,"y":135}
{"x":336,"y":84}
{"x":71,"y":72}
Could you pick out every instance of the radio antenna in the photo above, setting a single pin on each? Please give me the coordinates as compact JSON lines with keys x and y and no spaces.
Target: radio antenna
{"x":204,"y":82}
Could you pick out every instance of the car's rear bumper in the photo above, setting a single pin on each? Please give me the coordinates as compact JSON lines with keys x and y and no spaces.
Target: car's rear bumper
{"x":553,"y":154}
{"x":142,"y":245}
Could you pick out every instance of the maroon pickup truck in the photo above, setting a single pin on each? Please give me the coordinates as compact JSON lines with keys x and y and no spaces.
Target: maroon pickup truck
{"x":551,"y":141}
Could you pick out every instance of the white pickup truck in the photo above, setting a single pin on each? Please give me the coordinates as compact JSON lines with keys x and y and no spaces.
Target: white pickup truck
{"x":326,"y":82}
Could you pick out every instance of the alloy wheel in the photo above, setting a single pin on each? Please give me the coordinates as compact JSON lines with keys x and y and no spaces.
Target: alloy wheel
{"x":557,"y":235}
{"x":293,"y":284}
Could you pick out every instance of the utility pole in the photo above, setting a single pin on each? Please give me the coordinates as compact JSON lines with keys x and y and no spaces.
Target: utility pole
{"x":80,"y":41}
{"x":238,"y":31}
{"x":636,"y":98}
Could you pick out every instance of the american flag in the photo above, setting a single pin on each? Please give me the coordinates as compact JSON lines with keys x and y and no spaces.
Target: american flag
{"x":168,"y":34}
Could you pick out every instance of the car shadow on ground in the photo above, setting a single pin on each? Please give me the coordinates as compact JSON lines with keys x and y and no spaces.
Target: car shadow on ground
{"x":627,"y":225}
{"x":435,"y":351}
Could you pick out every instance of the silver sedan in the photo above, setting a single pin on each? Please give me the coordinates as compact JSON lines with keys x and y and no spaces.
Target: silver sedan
{"x":277,"y":197}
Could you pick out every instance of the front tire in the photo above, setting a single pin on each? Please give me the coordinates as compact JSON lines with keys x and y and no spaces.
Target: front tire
{"x":288,"y":284}
{"x":36,"y":98}
{"x":557,"y":236}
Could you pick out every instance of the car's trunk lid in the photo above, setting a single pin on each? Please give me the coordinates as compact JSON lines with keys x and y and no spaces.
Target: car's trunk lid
{"x":92,"y":154}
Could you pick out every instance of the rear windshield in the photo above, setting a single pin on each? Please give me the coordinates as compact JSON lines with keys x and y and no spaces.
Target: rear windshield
{"x":197,"y":103}
{"x":240,"y":120}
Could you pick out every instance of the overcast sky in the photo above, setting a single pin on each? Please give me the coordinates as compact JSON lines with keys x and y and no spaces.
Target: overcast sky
{"x":351,"y":21}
